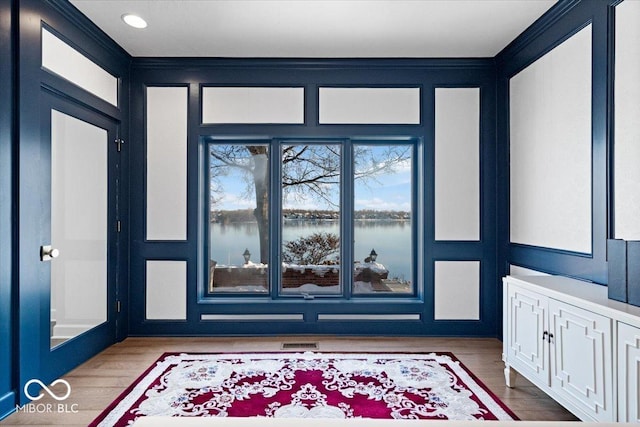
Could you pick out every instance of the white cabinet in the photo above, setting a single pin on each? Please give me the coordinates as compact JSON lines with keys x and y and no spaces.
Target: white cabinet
{"x":556,"y":337}
{"x":581,"y":360}
{"x":526,"y":344}
{"x":628,"y":373}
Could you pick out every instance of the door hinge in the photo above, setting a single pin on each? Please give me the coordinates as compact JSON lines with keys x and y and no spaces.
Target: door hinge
{"x":119,"y":143}
{"x":118,"y":226}
{"x":118,"y":307}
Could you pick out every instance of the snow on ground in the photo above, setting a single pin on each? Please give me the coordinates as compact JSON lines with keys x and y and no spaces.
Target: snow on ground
{"x":307,"y":288}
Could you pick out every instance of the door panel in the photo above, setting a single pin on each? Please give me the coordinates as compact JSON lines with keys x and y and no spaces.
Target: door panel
{"x":79,"y":211}
{"x":582,"y":359}
{"x":527,"y":325}
{"x":78,"y":238}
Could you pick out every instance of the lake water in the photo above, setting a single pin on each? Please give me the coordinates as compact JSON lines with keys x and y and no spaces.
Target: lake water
{"x":391,"y":240}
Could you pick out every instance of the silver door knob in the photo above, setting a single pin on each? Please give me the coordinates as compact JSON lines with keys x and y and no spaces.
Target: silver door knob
{"x":47,"y":253}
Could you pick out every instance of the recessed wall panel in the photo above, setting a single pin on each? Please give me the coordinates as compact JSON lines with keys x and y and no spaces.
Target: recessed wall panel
{"x":457,"y":290}
{"x":63,"y":60}
{"x":166,"y":290}
{"x":252,"y":317}
{"x":249,"y":105}
{"x":627,"y":123}
{"x":166,"y":163}
{"x":369,"y":105}
{"x":550,"y":148}
{"x":457,"y":164}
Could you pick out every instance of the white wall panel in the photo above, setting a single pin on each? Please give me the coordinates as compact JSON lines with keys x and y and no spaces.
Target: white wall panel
{"x":457,"y":290}
{"x":627,"y":121}
{"x":550,"y":146}
{"x":166,"y":292}
{"x":369,"y":105}
{"x":63,"y":60}
{"x":167,"y":163}
{"x":253,"y":105}
{"x":457,"y":160}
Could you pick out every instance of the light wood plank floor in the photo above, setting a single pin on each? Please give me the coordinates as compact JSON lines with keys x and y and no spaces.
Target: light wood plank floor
{"x":100,"y":380}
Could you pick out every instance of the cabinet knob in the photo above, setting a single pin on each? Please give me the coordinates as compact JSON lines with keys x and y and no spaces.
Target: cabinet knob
{"x":544,"y":335}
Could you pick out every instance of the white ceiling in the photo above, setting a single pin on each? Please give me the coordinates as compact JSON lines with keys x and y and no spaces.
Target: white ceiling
{"x":316,"y":28}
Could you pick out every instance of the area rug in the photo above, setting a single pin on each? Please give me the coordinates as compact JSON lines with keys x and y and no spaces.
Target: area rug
{"x":307,"y":385}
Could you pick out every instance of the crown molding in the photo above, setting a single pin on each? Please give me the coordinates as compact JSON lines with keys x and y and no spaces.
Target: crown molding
{"x":553,"y":15}
{"x":314,"y":63}
{"x":91,"y":30}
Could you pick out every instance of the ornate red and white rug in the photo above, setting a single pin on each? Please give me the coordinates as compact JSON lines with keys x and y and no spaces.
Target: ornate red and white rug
{"x":307,"y":385}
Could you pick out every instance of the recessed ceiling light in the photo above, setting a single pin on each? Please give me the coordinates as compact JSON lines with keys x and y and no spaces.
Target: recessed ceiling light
{"x":134,"y":20}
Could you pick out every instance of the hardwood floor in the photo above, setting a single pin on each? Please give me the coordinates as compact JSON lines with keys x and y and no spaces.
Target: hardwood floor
{"x":100,"y":380}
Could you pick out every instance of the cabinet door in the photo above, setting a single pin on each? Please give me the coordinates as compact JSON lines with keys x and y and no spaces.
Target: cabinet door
{"x":628,"y":373}
{"x":527,"y":348}
{"x":582,"y":361}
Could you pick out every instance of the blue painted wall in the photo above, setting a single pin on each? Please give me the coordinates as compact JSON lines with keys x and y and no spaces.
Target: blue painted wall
{"x":427,"y":74}
{"x":553,"y":28}
{"x":7,"y":294}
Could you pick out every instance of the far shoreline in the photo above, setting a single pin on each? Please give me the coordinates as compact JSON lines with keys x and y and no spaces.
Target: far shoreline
{"x":245,"y":216}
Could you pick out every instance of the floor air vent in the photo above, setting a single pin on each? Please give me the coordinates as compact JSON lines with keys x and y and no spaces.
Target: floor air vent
{"x":300,"y":346}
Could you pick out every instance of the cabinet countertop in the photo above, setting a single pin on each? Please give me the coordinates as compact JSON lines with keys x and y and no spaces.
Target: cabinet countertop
{"x":582,"y":294}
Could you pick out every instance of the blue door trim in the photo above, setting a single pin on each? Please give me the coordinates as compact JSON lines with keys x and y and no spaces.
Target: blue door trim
{"x":7,"y":285}
{"x":70,"y":354}
{"x":611,"y":113}
{"x":7,"y":404}
{"x":30,"y":324}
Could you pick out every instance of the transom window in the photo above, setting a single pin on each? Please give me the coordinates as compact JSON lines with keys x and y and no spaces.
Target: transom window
{"x":296,"y":205}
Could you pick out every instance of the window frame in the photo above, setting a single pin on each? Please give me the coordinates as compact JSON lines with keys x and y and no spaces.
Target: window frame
{"x":346,"y":224}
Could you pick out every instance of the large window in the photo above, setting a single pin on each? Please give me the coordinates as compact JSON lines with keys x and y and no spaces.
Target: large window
{"x":324,"y":195}
{"x":382,"y":221}
{"x":310,"y":179}
{"x":238,"y":217}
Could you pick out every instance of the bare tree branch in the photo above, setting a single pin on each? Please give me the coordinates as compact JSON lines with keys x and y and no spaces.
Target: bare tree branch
{"x":308,"y":171}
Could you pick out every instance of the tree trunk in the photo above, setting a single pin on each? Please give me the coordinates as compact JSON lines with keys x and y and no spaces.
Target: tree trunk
{"x":261,"y":212}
